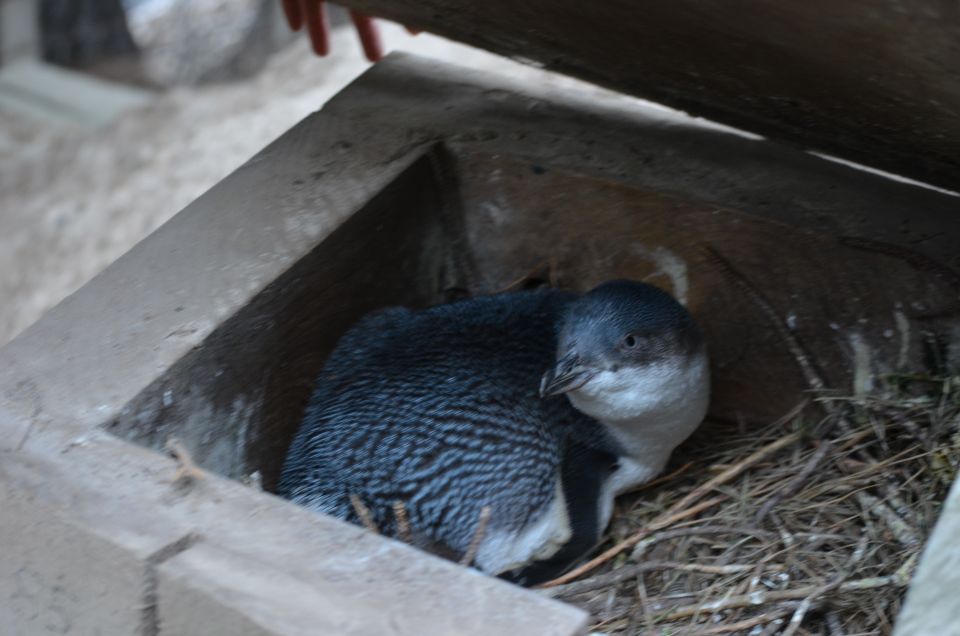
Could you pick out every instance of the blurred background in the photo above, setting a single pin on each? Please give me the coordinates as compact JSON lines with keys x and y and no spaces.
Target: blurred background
{"x":115,"y":114}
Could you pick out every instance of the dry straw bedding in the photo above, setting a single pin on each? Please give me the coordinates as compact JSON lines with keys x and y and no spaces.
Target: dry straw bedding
{"x":811,"y":525}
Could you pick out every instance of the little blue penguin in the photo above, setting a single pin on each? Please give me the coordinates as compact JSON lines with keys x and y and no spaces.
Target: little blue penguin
{"x":541,"y":406}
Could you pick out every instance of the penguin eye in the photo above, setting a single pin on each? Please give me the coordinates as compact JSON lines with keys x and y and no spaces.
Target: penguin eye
{"x":630,"y":341}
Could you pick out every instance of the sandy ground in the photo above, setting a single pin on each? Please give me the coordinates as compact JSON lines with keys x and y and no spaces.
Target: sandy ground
{"x":71,"y":202}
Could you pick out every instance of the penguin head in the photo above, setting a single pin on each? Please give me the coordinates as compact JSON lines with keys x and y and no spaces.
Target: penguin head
{"x":619,"y":347}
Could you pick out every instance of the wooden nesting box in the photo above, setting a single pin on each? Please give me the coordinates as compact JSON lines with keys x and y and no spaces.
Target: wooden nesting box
{"x":419,"y":177}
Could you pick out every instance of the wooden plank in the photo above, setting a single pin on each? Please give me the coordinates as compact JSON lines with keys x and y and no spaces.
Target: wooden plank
{"x":872,"y":82}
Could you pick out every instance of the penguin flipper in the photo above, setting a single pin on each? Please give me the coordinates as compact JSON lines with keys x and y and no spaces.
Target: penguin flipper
{"x":585,"y":471}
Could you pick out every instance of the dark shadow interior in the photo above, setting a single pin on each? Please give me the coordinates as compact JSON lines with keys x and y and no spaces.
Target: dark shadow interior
{"x":485,"y":223}
{"x":236,"y":401}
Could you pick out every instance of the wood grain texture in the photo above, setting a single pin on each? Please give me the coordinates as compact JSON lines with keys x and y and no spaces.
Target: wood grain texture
{"x":501,"y":181}
{"x":237,"y":401}
{"x":522,"y":216}
{"x":872,"y":82}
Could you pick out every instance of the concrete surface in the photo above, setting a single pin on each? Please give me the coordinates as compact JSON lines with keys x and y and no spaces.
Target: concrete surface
{"x":237,"y":244}
{"x":132,"y":552}
{"x":58,"y":576}
{"x":19,"y":38}
{"x":73,"y":201}
{"x":57,"y":96}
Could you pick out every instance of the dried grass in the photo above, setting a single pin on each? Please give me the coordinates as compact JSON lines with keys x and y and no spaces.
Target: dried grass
{"x":811,"y":525}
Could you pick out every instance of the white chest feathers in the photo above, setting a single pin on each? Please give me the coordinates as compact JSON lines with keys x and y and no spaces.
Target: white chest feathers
{"x":648,"y":410}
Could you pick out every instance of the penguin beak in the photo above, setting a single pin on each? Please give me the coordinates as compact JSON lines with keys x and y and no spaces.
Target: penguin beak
{"x":568,"y":374}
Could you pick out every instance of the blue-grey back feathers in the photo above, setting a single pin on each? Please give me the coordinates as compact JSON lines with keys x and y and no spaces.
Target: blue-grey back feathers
{"x":438,"y":409}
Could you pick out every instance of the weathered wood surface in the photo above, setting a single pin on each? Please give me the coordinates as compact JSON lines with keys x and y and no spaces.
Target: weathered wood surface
{"x":418,"y":177}
{"x":504,"y":180}
{"x":872,"y":82}
{"x":212,"y":329}
{"x":932,"y":603}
